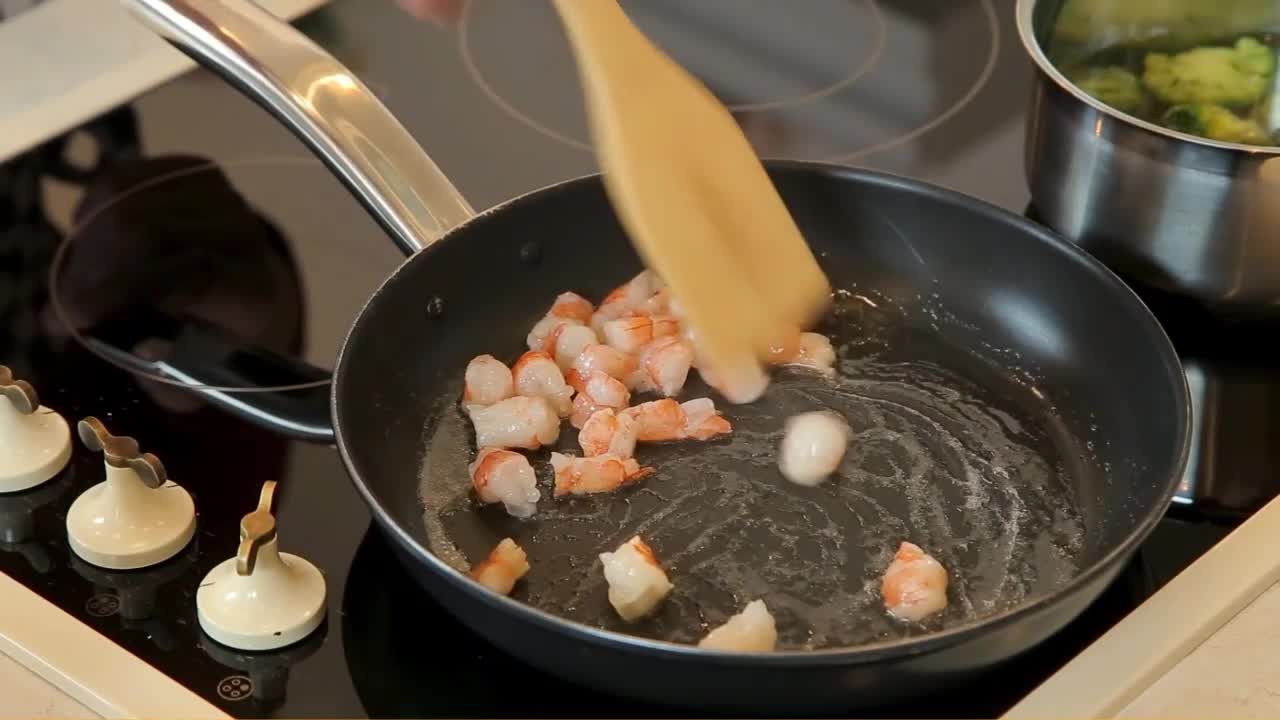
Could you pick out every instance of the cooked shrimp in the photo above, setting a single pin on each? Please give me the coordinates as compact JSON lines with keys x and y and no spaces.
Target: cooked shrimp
{"x":812,"y":447}
{"x":745,"y":381}
{"x":597,"y":474}
{"x":752,"y":630}
{"x":664,"y":365}
{"x":702,"y":421}
{"x":807,"y":349}
{"x":816,"y":352}
{"x":537,"y":375}
{"x":637,"y":583}
{"x":665,"y":419}
{"x":914,"y":585}
{"x":659,"y":304}
{"x":659,"y":420}
{"x":597,"y":392}
{"x":608,"y":360}
{"x":504,"y":567}
{"x":506,"y":477}
{"x":518,"y":422}
{"x":608,"y":433}
{"x":568,"y":342}
{"x":629,"y":334}
{"x":487,"y":381}
{"x":544,"y":333}
{"x":572,"y":306}
{"x":626,"y":299}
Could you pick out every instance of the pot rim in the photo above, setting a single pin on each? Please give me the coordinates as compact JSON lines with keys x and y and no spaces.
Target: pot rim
{"x":1024,"y":11}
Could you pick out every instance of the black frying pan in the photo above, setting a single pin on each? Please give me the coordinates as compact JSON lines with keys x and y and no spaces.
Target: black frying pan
{"x":1017,"y":411}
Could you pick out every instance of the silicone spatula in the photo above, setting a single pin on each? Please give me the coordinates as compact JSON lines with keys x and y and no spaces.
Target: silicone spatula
{"x":694,"y":198}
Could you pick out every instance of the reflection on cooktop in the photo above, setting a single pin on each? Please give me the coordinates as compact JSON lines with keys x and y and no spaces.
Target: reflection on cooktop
{"x":18,"y":522}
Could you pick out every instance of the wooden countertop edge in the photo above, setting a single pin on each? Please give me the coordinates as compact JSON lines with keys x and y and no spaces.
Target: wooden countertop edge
{"x":85,"y":665}
{"x":1107,"y":676}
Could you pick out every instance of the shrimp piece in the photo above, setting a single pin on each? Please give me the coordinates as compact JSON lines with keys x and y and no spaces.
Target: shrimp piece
{"x":665,"y":420}
{"x":637,"y":583}
{"x":659,"y":304}
{"x":752,"y":630}
{"x":702,"y":421}
{"x":659,"y":420}
{"x":597,"y":392}
{"x":807,"y":349}
{"x":517,"y":422}
{"x":608,"y":360}
{"x":506,"y":477}
{"x":608,"y":433}
{"x":568,"y":310}
{"x":743,"y":382}
{"x":598,"y":474}
{"x":816,"y":352}
{"x":914,"y":585}
{"x":487,"y":381}
{"x":572,"y":306}
{"x":536,"y":375}
{"x":626,"y":299}
{"x":568,"y":342}
{"x":629,"y":334}
{"x":544,"y":333}
{"x":503,"y":568}
{"x":812,"y":447}
{"x":664,"y":365}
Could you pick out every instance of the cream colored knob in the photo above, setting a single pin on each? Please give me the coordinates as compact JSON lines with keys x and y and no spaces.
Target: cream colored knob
{"x":35,"y":442}
{"x":136,"y":517}
{"x":261,"y":599}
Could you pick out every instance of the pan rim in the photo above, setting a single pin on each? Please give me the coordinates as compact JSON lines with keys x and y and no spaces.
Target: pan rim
{"x":834,"y":656}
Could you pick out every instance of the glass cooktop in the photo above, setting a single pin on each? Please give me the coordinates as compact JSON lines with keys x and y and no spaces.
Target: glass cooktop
{"x":192,"y":203}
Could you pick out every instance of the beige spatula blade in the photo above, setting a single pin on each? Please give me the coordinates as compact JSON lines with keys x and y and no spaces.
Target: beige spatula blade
{"x":694,"y":198}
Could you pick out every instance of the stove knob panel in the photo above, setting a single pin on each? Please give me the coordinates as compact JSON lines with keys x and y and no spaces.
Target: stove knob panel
{"x":35,"y":442}
{"x":136,"y":517}
{"x":261,"y":599}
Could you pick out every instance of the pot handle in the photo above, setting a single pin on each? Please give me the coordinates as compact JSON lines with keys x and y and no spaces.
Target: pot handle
{"x":323,"y":103}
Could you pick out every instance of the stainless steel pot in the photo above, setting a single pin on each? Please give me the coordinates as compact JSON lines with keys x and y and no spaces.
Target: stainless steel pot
{"x":1170,"y":211}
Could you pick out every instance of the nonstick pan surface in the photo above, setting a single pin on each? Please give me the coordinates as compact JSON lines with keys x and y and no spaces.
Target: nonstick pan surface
{"x":1016,"y":411}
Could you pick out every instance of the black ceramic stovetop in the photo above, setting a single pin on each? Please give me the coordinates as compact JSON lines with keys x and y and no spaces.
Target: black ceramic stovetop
{"x":192,"y":204}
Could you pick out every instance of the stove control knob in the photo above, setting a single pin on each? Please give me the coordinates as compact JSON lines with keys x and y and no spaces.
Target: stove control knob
{"x":261,"y":599}
{"x":135,"y":518}
{"x":35,"y":442}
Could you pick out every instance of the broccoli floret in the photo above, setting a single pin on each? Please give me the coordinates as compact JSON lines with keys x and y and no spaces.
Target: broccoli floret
{"x":1114,"y":86}
{"x":1234,"y":76}
{"x":1216,"y":123}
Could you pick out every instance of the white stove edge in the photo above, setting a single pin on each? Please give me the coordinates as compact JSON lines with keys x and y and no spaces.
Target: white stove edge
{"x":1108,"y":676}
{"x":85,"y":665}
{"x":81,"y":58}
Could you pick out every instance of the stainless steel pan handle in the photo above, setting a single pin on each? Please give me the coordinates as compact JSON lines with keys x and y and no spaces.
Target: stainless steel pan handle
{"x":323,"y":103}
